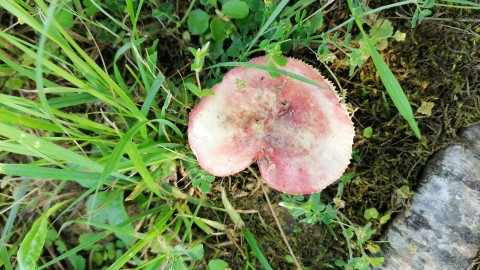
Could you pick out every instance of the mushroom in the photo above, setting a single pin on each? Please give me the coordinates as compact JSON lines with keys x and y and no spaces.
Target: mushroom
{"x":301,"y":135}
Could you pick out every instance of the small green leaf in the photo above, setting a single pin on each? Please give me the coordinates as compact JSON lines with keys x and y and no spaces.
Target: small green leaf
{"x":14,"y":83}
{"x":61,"y":246}
{"x":368,"y":132}
{"x":349,"y":233}
{"x":200,"y":54}
{"x":381,"y":44}
{"x":381,"y":29}
{"x":358,"y":57}
{"x":91,"y":9}
{"x":375,"y":261}
{"x":428,"y":4}
{"x":340,"y":263}
{"x":217,"y":265}
{"x":108,"y":206}
{"x":370,"y":213}
{"x":273,"y":74}
{"x":358,"y":263}
{"x":78,"y":262}
{"x":164,"y":11}
{"x":201,"y":179}
{"x":65,"y":17}
{"x":207,"y":92}
{"x":193,"y":87}
{"x":218,"y":28}
{"x":263,"y":44}
{"x":195,"y":253}
{"x":205,"y":187}
{"x":385,"y":217}
{"x":404,"y":192}
{"x":289,"y":259}
{"x":198,"y":22}
{"x":279,"y":33}
{"x":280,"y":60}
{"x":32,"y":245}
{"x":316,"y":22}
{"x":373,"y":248}
{"x":235,"y":9}
{"x":415,"y":18}
{"x":399,"y":36}
{"x":426,"y":108}
{"x":425,"y":12}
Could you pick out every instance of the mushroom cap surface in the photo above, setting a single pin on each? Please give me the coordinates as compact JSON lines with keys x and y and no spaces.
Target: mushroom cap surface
{"x":301,"y":135}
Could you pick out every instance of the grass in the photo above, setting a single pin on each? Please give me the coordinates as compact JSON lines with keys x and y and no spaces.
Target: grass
{"x":93,"y":118}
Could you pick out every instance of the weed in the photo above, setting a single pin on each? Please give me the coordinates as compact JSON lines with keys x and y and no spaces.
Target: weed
{"x":314,"y":211}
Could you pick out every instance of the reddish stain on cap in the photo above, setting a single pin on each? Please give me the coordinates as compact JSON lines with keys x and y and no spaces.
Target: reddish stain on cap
{"x":301,"y":135}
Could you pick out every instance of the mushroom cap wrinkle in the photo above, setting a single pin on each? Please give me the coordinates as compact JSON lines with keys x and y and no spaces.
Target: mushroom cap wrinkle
{"x":301,"y":135}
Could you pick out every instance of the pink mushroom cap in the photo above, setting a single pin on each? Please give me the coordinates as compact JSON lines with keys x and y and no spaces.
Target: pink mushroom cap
{"x":301,"y":135}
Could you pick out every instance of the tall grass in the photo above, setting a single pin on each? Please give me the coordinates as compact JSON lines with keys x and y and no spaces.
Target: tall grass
{"x":130,"y":149}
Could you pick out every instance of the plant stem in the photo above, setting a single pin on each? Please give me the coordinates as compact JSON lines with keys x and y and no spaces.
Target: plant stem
{"x":197,"y":75}
{"x":295,"y":260}
{"x":185,"y":16}
{"x":350,"y":252}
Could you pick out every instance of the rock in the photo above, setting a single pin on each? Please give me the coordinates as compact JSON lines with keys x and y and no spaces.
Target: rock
{"x":443,"y":230}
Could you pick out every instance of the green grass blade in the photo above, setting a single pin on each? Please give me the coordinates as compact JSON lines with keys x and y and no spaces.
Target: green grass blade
{"x":158,"y":156}
{"x":160,"y":227}
{"x":160,"y":209}
{"x":22,"y":105}
{"x":134,"y":15}
{"x":394,"y":89}
{"x":143,"y":69}
{"x":390,"y":82}
{"x":23,"y":71}
{"x":71,"y":100}
{"x":60,"y":71}
{"x":256,"y":249}
{"x":51,"y":151}
{"x":18,"y":119}
{"x":118,"y":54}
{"x":84,"y":123}
{"x":234,"y":215}
{"x":4,"y":254}
{"x":469,"y":4}
{"x":98,"y":78}
{"x":39,"y":66}
{"x":269,"y":69}
{"x":120,"y":149}
{"x":112,"y":228}
{"x":141,"y":168}
{"x":150,"y":98}
{"x":269,"y":21}
{"x":84,"y":245}
{"x":37,"y":172}
{"x":128,"y":255}
{"x":16,"y":148}
{"x":117,"y":22}
{"x":47,"y":148}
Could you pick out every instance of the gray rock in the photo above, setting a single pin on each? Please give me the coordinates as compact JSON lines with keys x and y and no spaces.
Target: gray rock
{"x":443,"y":230}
